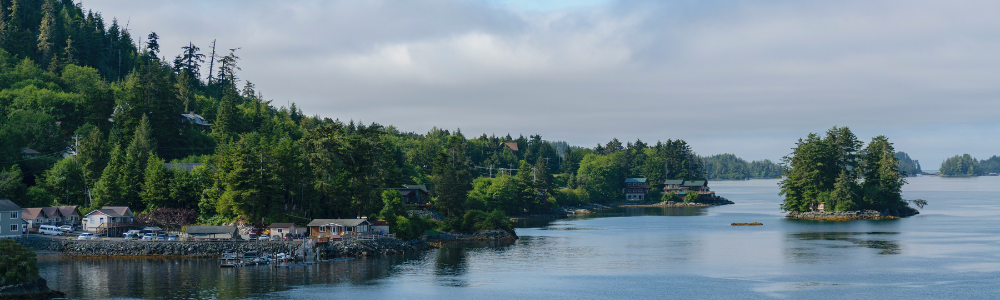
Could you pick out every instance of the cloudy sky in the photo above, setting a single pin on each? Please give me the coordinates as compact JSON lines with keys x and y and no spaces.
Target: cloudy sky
{"x":743,"y":77}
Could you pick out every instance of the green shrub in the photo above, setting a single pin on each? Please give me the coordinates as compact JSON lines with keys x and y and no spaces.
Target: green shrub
{"x":17,"y":263}
{"x":692,"y":196}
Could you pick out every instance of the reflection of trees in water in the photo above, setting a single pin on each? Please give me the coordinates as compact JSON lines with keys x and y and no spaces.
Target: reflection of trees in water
{"x":451,"y":263}
{"x":805,"y":253}
{"x":536,"y":222}
{"x":201,"y":278}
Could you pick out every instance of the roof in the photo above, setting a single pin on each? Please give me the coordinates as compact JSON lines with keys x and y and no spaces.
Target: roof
{"x":50,"y":211}
{"x":29,"y":151}
{"x":511,"y":145}
{"x":67,"y":211}
{"x":194,"y":118}
{"x":120,"y":210}
{"x":112,"y":211}
{"x":342,"y":222}
{"x":673,"y":181}
{"x":405,"y":187}
{"x":695,"y":183}
{"x":631,"y":180}
{"x":380,"y":223}
{"x":7,"y":205}
{"x":186,"y":166}
{"x":210,"y":229}
{"x":282,"y":225}
{"x":32,"y":213}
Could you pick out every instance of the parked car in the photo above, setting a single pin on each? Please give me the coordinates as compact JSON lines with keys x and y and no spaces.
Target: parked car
{"x":87,"y":236}
{"x":252,"y":237}
{"x":148,"y":237}
{"x":66,"y":228}
{"x":50,"y":230}
{"x":161,"y":237}
{"x":288,"y":237}
{"x":173,"y":237}
{"x":264,"y":238}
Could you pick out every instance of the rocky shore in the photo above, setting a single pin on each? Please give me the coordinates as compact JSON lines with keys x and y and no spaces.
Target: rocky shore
{"x":853,"y":215}
{"x":35,"y":289}
{"x":155,"y":249}
{"x":370,"y":248}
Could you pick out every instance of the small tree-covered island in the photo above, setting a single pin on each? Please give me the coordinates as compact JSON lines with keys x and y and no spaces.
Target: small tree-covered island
{"x":837,"y":177}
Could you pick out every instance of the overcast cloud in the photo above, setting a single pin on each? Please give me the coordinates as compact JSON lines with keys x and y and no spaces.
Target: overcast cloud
{"x":743,"y":77}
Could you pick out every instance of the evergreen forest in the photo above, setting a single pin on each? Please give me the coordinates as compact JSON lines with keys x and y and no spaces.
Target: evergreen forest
{"x":89,"y":116}
{"x":729,"y":166}
{"x":843,"y":173}
{"x":966,"y":165}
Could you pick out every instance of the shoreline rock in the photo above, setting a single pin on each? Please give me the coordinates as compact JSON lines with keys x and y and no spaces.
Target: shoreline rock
{"x":853,"y":215}
{"x":35,"y":289}
{"x":146,"y":249}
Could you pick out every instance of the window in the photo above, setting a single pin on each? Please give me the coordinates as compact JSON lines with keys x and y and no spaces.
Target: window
{"x":13,"y":215}
{"x":279,"y":230}
{"x":13,"y":227}
{"x":322,"y":229}
{"x":348,"y":229}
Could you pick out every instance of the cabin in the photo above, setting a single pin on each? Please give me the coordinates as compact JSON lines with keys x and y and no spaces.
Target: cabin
{"x":673,"y":185}
{"x":636,"y":189}
{"x":700,"y":186}
{"x":212,"y":232}
{"x":280,"y":229}
{"x":415,"y":195}
{"x":28,"y":153}
{"x":11,"y":223}
{"x":112,"y":220}
{"x":336,"y":228}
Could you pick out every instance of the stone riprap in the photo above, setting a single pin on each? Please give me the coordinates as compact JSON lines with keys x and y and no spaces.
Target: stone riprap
{"x":165,"y":248}
{"x":370,"y":248}
{"x":853,"y":215}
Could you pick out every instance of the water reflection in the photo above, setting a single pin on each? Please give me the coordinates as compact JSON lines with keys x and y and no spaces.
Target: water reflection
{"x":823,"y":241}
{"x":544,"y":221}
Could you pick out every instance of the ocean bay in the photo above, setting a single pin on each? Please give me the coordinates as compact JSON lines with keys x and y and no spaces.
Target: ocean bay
{"x":949,"y":250}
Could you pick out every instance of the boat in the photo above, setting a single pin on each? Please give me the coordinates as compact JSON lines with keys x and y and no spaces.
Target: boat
{"x":230,"y":260}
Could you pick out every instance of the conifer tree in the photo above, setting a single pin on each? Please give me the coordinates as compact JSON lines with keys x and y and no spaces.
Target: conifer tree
{"x":156,"y":189}
{"x":108,"y":190}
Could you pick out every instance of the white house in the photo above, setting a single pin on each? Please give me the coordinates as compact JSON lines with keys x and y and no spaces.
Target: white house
{"x":110,"y":219}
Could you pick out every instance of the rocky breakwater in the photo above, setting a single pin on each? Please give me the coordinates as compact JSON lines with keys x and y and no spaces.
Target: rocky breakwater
{"x":853,"y":215}
{"x":485,"y":235}
{"x":370,"y":248}
{"x":164,"y":248}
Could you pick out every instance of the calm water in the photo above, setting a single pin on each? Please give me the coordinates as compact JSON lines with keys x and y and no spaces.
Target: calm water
{"x":950,"y":250}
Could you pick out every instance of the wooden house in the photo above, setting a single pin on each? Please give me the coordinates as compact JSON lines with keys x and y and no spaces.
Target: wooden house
{"x":336,"y":228}
{"x":110,"y":220}
{"x":11,"y":223}
{"x":636,"y":189}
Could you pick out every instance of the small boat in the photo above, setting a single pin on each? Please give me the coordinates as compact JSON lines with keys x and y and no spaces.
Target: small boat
{"x":250,"y":257}
{"x":230,"y":260}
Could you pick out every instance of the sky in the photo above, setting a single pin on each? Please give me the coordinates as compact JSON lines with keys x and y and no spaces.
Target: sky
{"x":741,"y":77}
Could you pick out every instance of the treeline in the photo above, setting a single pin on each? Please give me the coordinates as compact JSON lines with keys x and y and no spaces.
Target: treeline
{"x":908,"y":165}
{"x":77,"y":131}
{"x":837,"y":171}
{"x":729,"y":166}
{"x":966,"y":165}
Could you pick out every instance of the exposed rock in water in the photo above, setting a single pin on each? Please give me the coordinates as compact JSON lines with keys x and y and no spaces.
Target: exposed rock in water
{"x":35,"y":289}
{"x":853,"y":215}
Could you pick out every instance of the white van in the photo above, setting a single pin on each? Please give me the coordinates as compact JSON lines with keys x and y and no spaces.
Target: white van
{"x":50,"y":230}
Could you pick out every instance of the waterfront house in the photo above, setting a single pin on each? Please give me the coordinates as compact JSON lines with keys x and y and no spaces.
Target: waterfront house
{"x":380,"y":226}
{"x":636,"y":189}
{"x":414,"y":194}
{"x":700,"y":186}
{"x":112,"y":220}
{"x":672,"y":185}
{"x":34,"y":217}
{"x":336,"y":228}
{"x":11,"y":223}
{"x":68,"y":215}
{"x":280,"y":229}
{"x":212,"y":232}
